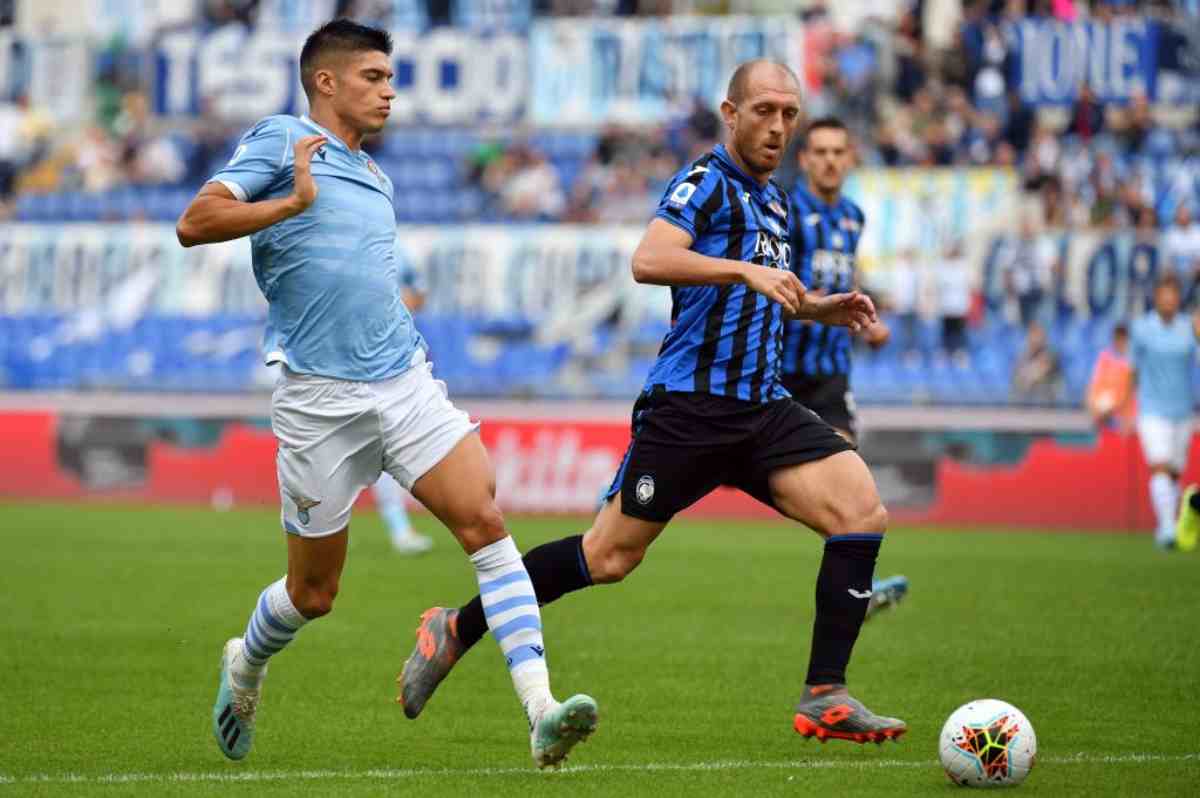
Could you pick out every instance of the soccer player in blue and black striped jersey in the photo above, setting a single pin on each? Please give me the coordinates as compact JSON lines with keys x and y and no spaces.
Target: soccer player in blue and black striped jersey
{"x":826,"y":228}
{"x":713,"y":412}
{"x":825,"y":231}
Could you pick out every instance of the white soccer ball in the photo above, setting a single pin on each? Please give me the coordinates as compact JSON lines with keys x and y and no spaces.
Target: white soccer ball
{"x":987,"y":743}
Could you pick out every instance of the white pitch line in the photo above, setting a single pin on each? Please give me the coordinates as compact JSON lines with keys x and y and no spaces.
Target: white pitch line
{"x":396,"y":774}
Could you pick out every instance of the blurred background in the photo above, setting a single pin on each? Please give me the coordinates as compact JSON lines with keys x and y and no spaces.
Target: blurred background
{"x":1027,"y":170}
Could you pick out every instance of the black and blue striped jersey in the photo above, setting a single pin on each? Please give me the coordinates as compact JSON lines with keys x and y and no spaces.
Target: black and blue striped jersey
{"x":725,"y":339}
{"x":824,"y":240}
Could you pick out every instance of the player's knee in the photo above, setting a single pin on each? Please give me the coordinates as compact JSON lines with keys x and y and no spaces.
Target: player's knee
{"x":614,"y":564}
{"x":869,"y":516}
{"x":483,"y":526}
{"x":314,"y":600}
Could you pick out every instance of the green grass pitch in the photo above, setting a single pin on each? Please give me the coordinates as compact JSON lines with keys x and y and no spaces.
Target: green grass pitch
{"x":114,"y":617}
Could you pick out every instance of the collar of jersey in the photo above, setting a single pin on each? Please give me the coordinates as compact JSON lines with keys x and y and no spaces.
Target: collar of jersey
{"x":329,"y":136}
{"x":728,"y":165}
{"x":811,"y":198}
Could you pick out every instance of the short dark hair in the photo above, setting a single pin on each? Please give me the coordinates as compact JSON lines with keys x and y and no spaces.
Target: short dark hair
{"x":1121,"y":330}
{"x":1169,"y":280}
{"x":823,"y":123}
{"x":737,"y":82}
{"x":338,"y":36}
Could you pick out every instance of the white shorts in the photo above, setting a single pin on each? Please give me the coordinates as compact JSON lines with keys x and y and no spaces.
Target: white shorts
{"x":336,"y":437}
{"x":1165,"y":440}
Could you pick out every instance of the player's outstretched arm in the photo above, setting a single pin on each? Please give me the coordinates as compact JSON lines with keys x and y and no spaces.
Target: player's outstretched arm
{"x":215,"y":214}
{"x":664,"y":257}
{"x":853,"y":310}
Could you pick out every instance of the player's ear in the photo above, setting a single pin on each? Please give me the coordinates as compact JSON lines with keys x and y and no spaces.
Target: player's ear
{"x":324,"y":81}
{"x":728,"y":112}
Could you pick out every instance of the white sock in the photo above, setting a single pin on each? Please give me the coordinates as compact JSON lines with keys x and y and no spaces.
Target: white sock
{"x":1164,"y":495}
{"x":272,"y":626}
{"x":511,"y":608}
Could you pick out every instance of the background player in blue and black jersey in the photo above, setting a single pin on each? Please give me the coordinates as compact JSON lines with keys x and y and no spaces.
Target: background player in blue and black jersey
{"x":826,"y":228}
{"x":825,"y":231}
{"x":713,"y":411}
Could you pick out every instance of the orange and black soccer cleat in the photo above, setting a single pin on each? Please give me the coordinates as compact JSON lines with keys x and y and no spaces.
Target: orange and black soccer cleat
{"x":828,"y":712}
{"x":437,"y":649}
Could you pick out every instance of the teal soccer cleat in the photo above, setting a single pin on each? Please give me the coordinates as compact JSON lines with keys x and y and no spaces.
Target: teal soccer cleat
{"x":560,"y":727}
{"x":233,"y":713}
{"x":886,"y":593}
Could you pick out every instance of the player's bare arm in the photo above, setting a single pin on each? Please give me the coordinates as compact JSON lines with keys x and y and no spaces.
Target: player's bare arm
{"x":215,"y":214}
{"x":664,"y":257}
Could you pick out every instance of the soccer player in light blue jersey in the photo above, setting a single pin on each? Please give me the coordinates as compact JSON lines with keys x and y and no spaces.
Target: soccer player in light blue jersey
{"x":355,"y":396}
{"x":1164,"y":353}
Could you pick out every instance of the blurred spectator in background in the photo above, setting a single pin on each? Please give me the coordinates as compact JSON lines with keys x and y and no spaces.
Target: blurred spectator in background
{"x":954,"y":299}
{"x":1087,"y":117}
{"x":525,"y":186}
{"x":24,"y":135}
{"x":904,"y":297}
{"x":1181,"y":244}
{"x":1027,"y":273}
{"x":1110,"y":399}
{"x":1037,"y":376}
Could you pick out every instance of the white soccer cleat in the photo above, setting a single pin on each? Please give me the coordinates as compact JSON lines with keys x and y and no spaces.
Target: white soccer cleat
{"x":235,"y":708}
{"x":560,"y":727}
{"x":411,"y":543}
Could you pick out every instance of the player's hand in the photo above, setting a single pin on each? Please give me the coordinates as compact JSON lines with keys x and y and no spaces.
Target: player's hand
{"x":853,"y":310}
{"x":778,"y":285}
{"x":876,"y":335}
{"x":305,"y":188}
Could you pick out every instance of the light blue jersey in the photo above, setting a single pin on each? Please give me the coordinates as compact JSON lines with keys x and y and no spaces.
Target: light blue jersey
{"x":329,"y":274}
{"x":1163,"y":355}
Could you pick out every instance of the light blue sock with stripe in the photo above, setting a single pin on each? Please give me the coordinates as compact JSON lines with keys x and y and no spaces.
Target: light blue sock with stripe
{"x":511,"y":608}
{"x":272,"y":626}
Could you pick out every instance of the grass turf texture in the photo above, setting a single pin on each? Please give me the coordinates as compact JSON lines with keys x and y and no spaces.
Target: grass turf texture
{"x":115,"y":617}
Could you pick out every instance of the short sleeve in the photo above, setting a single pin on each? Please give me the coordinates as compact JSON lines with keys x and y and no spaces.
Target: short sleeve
{"x":693,"y":200}
{"x":260,"y":157}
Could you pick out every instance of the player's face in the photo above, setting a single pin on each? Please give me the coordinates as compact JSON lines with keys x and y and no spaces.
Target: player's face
{"x":364,"y":90}
{"x":1166,"y":300}
{"x":763,"y":122}
{"x":825,"y":159}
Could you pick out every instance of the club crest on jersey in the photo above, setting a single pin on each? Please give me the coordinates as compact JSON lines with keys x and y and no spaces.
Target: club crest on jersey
{"x":849,"y":224}
{"x":644,"y":490}
{"x":774,"y":207}
{"x":375,"y":171}
{"x":813,"y":219}
{"x":303,"y":505}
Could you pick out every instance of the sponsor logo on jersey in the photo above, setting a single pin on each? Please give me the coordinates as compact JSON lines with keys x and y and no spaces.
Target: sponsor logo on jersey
{"x":682,"y":193}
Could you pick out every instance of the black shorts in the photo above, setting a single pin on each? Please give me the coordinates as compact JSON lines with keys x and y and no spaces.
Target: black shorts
{"x":686,"y":444}
{"x":828,"y":397}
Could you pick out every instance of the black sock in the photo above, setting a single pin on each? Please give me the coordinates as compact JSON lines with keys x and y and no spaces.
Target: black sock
{"x":843,"y":592}
{"x":555,"y":568}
